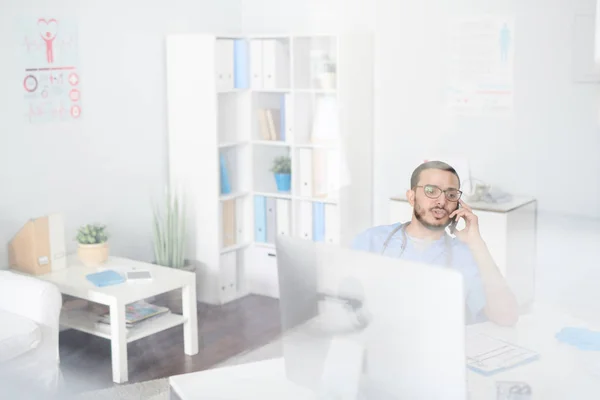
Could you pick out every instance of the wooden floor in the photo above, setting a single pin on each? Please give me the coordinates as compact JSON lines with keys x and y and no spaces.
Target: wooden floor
{"x":224,"y":332}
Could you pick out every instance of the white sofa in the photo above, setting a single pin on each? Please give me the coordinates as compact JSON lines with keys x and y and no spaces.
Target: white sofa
{"x":29,"y":327}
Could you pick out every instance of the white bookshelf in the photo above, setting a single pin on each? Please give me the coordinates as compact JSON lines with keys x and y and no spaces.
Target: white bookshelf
{"x":327,"y":134}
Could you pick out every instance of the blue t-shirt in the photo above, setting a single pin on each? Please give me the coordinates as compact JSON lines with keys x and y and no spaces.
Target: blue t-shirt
{"x":372,"y":240}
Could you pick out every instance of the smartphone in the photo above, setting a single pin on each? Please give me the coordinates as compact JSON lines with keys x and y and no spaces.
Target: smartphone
{"x":453,"y":223}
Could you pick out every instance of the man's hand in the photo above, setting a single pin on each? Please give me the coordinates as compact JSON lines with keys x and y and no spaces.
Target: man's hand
{"x":501,"y":304}
{"x":470,"y":234}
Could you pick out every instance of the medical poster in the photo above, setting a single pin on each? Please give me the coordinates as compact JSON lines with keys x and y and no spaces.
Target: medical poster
{"x":51,"y":78}
{"x":480,"y":60}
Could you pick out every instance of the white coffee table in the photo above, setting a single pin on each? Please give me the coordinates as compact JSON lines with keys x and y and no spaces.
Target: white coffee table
{"x":72,"y":281}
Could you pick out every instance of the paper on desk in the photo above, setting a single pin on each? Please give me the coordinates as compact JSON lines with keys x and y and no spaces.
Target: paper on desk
{"x":488,"y":355}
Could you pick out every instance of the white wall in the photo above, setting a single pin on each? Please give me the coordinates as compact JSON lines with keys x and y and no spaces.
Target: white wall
{"x":107,"y":166}
{"x":548,"y":150}
{"x":310,"y":16}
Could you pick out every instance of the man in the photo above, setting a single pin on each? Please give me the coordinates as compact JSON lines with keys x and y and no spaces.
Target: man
{"x":435,"y":198}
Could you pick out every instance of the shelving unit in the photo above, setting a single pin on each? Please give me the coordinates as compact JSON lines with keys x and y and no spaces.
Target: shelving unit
{"x":237,"y":103}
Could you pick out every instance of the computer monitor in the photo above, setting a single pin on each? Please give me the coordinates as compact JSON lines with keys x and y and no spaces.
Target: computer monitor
{"x":408,"y":319}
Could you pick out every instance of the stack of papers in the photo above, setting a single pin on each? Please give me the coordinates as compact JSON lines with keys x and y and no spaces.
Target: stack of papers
{"x":488,"y":355}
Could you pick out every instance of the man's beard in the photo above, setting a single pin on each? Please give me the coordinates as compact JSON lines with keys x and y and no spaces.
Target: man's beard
{"x":420,"y":215}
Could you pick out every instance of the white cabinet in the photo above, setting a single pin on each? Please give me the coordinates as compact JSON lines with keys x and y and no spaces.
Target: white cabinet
{"x":228,"y":285}
{"x":263,"y":278}
{"x":208,"y":127}
{"x":332,"y":224}
{"x":236,"y":105}
{"x":509,"y":230}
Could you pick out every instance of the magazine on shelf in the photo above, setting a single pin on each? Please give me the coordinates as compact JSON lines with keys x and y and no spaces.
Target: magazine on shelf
{"x":137,"y":312}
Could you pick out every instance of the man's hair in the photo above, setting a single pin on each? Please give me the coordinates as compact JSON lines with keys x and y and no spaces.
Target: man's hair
{"x":416,"y":175}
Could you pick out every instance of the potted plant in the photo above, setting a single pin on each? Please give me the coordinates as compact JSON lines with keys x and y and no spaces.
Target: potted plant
{"x":169,"y":243}
{"x":92,"y":242}
{"x":282,"y":168}
{"x":169,"y":232}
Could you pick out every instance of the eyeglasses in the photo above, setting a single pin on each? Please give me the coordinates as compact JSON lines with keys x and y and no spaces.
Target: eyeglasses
{"x":433,"y":192}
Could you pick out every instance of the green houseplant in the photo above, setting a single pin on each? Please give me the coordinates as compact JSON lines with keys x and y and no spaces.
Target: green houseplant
{"x":169,"y":231}
{"x":92,"y":242}
{"x":282,"y":168}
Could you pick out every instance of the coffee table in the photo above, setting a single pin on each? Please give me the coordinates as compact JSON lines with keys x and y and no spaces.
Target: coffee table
{"x":72,"y":281}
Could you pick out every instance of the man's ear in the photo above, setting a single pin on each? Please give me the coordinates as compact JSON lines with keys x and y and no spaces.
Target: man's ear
{"x":410,"y":196}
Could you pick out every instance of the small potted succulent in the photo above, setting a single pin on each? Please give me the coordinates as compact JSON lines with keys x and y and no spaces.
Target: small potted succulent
{"x":93,"y":244}
{"x":282,"y":168}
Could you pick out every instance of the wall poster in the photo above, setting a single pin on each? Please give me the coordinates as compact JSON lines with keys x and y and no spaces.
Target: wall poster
{"x":51,"y":77}
{"x":480,"y":66}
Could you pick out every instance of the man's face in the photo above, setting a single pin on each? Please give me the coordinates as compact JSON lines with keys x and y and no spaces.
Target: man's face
{"x":434,"y":213}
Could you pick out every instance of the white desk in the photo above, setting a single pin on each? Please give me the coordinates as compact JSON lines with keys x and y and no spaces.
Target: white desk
{"x":562,"y":372}
{"x":509,"y":230}
{"x":250,"y":381}
{"x":73,"y":282}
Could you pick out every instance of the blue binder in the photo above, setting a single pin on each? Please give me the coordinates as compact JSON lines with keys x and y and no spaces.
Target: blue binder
{"x":105,"y":278}
{"x":318,"y":222}
{"x":241,"y":72}
{"x":225,"y":185}
{"x":260,"y":219}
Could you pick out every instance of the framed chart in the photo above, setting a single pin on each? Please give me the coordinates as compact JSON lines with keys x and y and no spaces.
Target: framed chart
{"x":51,"y":77}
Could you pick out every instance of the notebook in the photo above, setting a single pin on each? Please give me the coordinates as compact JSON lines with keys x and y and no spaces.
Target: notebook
{"x":105,"y":278}
{"x":488,"y":355}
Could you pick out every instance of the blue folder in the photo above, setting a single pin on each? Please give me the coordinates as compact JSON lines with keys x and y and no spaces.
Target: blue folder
{"x":105,"y":278}
{"x":225,"y":185}
{"x":318,"y":222}
{"x":260,"y":219}
{"x":241,"y":64}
